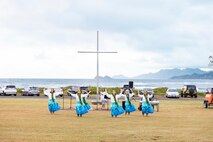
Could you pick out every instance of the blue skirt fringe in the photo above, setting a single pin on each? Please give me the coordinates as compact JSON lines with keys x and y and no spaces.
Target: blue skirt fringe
{"x":81,"y":109}
{"x":116,"y":109}
{"x":87,"y":106}
{"x":129,"y":107}
{"x":147,"y":108}
{"x":53,"y":106}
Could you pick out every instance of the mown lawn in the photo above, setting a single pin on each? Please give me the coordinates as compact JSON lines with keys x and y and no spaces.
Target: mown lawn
{"x":28,"y":120}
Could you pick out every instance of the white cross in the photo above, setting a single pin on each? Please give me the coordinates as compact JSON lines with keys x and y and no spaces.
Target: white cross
{"x":97,"y":52}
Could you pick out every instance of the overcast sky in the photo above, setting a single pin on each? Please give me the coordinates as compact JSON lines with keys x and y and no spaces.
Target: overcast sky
{"x":40,"y":38}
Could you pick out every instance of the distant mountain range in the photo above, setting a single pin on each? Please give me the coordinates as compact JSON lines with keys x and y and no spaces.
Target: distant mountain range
{"x":169,"y":74}
{"x":208,"y":75}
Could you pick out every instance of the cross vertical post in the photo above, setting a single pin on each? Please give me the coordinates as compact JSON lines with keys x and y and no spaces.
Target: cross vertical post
{"x":97,"y":77}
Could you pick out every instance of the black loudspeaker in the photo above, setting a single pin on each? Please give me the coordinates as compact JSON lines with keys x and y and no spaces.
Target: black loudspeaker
{"x":131,"y":84}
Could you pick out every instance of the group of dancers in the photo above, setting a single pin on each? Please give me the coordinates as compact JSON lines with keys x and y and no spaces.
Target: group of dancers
{"x":83,"y":107}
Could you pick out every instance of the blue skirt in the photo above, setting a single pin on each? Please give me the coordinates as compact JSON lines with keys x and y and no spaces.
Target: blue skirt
{"x":87,"y":106}
{"x":53,"y":106}
{"x":147,"y":108}
{"x":81,"y":109}
{"x":129,"y":107}
{"x":116,"y":109}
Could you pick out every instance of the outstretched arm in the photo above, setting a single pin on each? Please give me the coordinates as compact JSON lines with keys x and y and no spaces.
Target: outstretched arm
{"x":131,"y":95}
{"x":73,"y":95}
{"x":120,"y":95}
{"x":86,"y":95}
{"x":57,"y":94}
{"x":46,"y":92}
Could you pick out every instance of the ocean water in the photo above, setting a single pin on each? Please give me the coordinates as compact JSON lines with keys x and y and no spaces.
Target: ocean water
{"x":152,"y":83}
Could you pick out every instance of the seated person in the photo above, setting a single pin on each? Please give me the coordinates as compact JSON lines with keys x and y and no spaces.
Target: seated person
{"x":103,"y":98}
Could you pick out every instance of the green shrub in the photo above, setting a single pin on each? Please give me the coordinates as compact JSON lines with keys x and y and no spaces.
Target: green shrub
{"x":160,"y":91}
{"x":19,"y":90}
{"x":201,"y":94}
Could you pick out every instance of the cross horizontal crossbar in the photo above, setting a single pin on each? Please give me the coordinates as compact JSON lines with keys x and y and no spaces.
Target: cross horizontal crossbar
{"x":97,"y":52}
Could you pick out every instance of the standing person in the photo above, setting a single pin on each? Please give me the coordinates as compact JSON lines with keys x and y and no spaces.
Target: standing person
{"x":53,"y":105}
{"x":103,"y":100}
{"x":129,"y":106}
{"x":80,"y":106}
{"x":146,"y":106}
{"x":116,"y":109}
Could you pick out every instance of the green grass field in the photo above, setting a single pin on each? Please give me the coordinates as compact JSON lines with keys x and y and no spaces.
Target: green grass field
{"x":28,"y":120}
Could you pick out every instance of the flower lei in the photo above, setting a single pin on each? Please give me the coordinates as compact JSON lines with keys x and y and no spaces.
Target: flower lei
{"x":147,"y":100}
{"x":79,"y":96}
{"x":52,"y":97}
{"x":84,"y":100}
{"x":128,"y":98}
{"x":115,"y":99}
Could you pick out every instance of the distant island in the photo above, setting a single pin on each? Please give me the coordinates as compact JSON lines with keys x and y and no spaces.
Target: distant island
{"x":104,"y":78}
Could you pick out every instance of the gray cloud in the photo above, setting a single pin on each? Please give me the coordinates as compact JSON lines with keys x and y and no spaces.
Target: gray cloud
{"x":164,"y":27}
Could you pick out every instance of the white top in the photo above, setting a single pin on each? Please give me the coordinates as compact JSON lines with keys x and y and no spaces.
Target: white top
{"x":130,"y":96}
{"x":112,"y":98}
{"x":49,"y":95}
{"x":77,"y":97}
{"x":144,"y":99}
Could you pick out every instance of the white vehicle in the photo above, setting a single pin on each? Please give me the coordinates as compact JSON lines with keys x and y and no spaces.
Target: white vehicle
{"x":10,"y":90}
{"x":171,"y":92}
{"x":1,"y":91}
{"x":58,"y":91}
{"x":31,"y":91}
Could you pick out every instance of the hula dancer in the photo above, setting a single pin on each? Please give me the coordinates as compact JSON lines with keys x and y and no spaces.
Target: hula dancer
{"x":146,"y":106}
{"x":84,"y":95}
{"x":116,"y":109}
{"x":53,"y":105}
{"x":80,"y":104}
{"x":129,"y":106}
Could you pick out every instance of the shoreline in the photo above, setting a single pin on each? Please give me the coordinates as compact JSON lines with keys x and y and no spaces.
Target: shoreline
{"x":148,"y":83}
